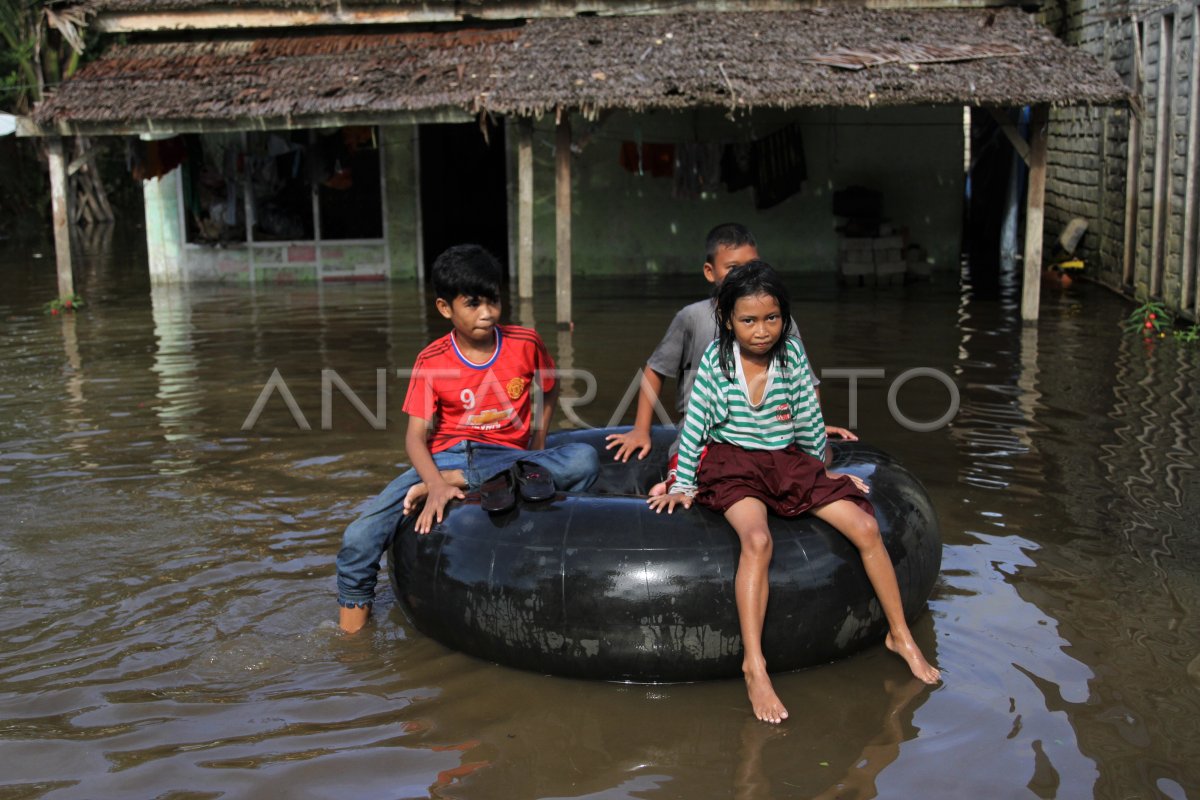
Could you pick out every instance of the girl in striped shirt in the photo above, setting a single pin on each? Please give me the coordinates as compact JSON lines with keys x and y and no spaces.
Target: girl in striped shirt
{"x":754,"y":406}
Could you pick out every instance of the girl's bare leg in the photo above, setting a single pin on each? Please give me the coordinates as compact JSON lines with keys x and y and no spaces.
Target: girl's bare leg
{"x":863,"y":531}
{"x":748,"y":517}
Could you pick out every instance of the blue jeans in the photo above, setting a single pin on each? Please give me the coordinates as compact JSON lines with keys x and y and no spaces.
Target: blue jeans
{"x":574,"y":467}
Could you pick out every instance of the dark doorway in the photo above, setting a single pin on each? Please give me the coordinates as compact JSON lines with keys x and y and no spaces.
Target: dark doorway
{"x":463,"y":193}
{"x":987,"y":193}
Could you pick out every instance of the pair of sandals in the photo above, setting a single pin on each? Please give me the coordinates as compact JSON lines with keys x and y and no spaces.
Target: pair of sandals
{"x":499,"y":492}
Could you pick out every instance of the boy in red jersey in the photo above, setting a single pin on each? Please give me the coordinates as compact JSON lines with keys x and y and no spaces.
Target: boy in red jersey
{"x":470,"y":408}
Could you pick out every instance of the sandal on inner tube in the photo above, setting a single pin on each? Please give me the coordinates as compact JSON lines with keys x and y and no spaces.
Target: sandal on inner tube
{"x":498,"y":493}
{"x":533,"y":481}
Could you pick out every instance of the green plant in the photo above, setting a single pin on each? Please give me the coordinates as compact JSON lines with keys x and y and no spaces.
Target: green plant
{"x":61,"y":305}
{"x":1191,"y":334}
{"x":1148,"y":319}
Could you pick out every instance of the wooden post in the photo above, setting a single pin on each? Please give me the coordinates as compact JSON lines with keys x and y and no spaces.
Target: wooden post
{"x":1163,"y":152}
{"x":1188,"y":259}
{"x":1133,"y":162}
{"x":60,"y":209}
{"x":418,"y":212}
{"x":525,"y":208}
{"x":562,"y":219}
{"x":1035,"y":207}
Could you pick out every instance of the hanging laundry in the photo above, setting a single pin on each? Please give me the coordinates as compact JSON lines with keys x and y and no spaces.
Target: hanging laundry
{"x":656,"y":160}
{"x":737,"y":166}
{"x":155,"y":159}
{"x":697,"y":169}
{"x":779,"y":167}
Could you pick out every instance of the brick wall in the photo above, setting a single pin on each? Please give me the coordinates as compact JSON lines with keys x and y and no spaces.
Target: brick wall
{"x":1088,"y":148}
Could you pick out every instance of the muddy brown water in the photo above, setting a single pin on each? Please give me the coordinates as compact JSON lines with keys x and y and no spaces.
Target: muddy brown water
{"x":169,"y":583}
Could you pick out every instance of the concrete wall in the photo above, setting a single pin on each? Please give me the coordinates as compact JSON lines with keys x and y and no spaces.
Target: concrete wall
{"x":624,"y":223}
{"x":1088,"y":152}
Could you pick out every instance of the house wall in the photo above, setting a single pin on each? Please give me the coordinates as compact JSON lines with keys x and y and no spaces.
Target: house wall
{"x":173,"y":260}
{"x":623,"y":223}
{"x":1089,"y":148}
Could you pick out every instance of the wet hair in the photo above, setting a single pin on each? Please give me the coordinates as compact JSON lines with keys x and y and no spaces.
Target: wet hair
{"x":727,"y":234}
{"x":467,"y":270}
{"x":750,"y":280}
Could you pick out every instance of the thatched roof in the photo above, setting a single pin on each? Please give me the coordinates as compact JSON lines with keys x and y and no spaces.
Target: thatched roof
{"x":740,"y":60}
{"x":998,"y":57}
{"x":281,"y":77}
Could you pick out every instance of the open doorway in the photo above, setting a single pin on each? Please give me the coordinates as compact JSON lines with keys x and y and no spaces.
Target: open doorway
{"x":464,"y":197}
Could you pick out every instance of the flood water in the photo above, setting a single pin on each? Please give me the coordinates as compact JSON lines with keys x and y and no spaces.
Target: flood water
{"x":169,"y":577}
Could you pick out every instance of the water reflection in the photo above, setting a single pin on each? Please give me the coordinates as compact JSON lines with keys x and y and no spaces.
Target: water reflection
{"x":172,"y":575}
{"x":175,"y":362}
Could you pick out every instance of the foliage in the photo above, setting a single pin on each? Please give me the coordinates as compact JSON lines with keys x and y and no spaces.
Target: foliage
{"x":1153,"y":320}
{"x":43,"y":44}
{"x":1189,"y":335}
{"x":1149,"y":319}
{"x":62,"y":305}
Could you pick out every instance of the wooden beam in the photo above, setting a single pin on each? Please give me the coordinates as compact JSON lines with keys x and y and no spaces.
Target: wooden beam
{"x":163,"y":128}
{"x":1010,"y":131}
{"x":382,"y":13}
{"x":1160,"y":207}
{"x":562,"y":221}
{"x":140,"y":21}
{"x":1035,"y":209}
{"x":1133,"y":163}
{"x":525,"y":208}
{"x":61,"y":212}
{"x":1188,"y":259}
{"x":418,"y":209}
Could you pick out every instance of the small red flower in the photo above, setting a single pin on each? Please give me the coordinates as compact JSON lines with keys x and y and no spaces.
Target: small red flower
{"x":1153,"y":316}
{"x":67,"y":304}
{"x":1149,"y":324}
{"x":54,"y":312}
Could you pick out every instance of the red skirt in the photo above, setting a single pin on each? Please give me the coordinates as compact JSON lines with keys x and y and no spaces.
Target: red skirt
{"x":788,"y":481}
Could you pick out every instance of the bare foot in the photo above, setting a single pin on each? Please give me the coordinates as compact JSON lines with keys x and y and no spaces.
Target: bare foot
{"x":767,"y":705}
{"x":922,"y":670}
{"x":416,"y":495}
{"x":658,"y":488}
{"x":352,"y":619}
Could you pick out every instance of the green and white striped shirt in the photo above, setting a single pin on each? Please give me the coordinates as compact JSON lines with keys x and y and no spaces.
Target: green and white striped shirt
{"x":720,"y":411}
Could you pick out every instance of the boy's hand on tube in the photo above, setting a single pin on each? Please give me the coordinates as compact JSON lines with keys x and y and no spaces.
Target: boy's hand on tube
{"x":841,"y":433}
{"x":435,"y":505}
{"x":628,"y":443}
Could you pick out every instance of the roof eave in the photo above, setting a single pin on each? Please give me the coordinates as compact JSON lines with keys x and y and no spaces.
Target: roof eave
{"x":219,"y":18}
{"x":27,"y":126}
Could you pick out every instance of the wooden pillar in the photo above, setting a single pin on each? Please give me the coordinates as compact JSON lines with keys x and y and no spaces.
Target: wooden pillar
{"x":1035,"y":208}
{"x":525,"y":208}
{"x":562,"y":220}
{"x":61,"y":212}
{"x":1188,"y":259}
{"x":1133,"y":162}
{"x":418,"y":212}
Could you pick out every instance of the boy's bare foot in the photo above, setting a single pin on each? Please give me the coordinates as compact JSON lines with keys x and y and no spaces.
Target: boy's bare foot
{"x":352,"y":620}
{"x":922,"y":670}
{"x":417,"y":494}
{"x":415,"y":497}
{"x":767,"y":705}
